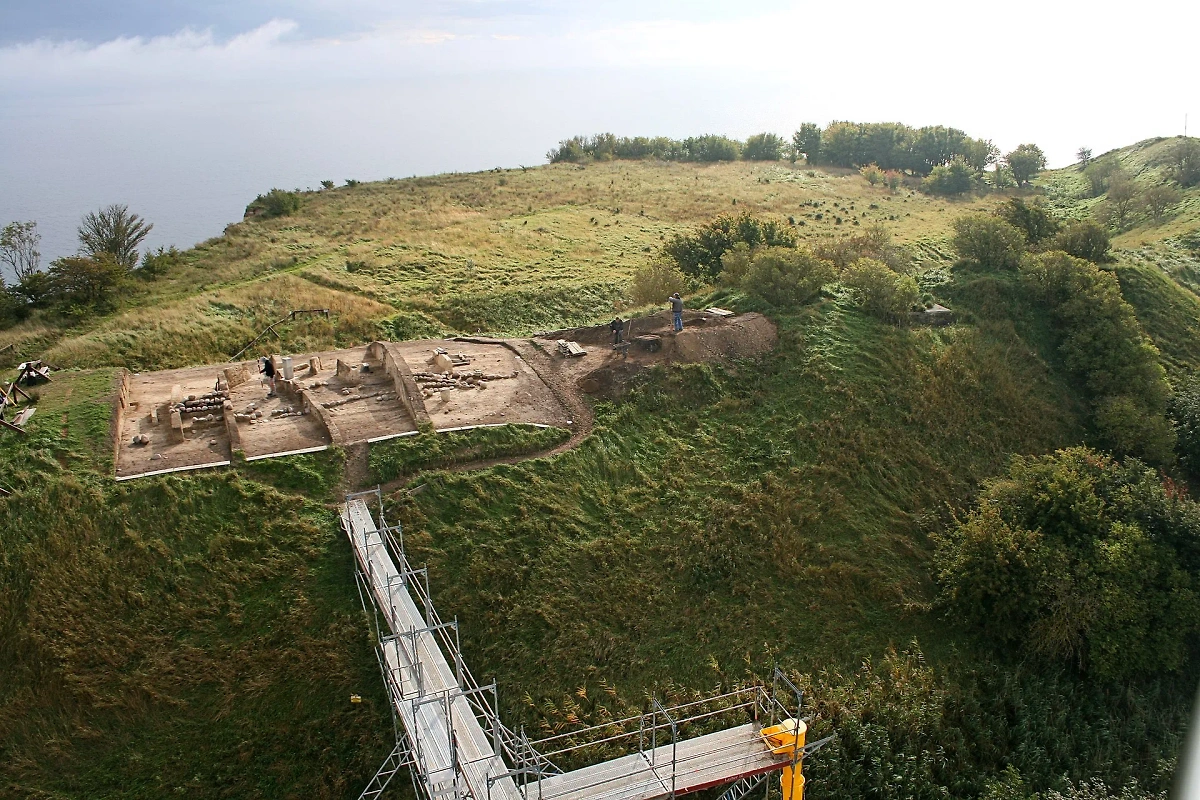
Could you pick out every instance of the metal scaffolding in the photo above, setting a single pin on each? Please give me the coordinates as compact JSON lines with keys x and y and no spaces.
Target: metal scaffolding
{"x":449,"y":734}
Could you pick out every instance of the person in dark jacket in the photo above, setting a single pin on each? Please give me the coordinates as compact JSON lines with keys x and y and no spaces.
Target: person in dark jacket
{"x":269,"y":371}
{"x":677,"y":311}
{"x":617,"y":326}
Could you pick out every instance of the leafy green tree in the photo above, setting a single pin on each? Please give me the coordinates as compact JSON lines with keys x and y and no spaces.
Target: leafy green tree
{"x":698,"y":254}
{"x":19,"y":249}
{"x":988,"y":241}
{"x":979,"y":153}
{"x":1121,"y":200}
{"x":763,"y":147}
{"x":956,"y":178}
{"x":1033,"y":219}
{"x":86,"y":280}
{"x":786,"y":276}
{"x":840,"y":144}
{"x":1086,"y":239}
{"x":1098,"y":173}
{"x":1184,"y":166}
{"x":807,"y":140}
{"x":1084,"y":155}
{"x":880,"y":290}
{"x":1157,"y":199}
{"x":1026,"y":162}
{"x":710,"y":148}
{"x":115,"y":231}
{"x":1079,"y":557}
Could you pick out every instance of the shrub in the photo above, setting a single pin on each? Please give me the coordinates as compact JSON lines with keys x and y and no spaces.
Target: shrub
{"x":893,"y":179}
{"x":786,"y":276}
{"x":1078,"y":556}
{"x":1158,"y":199}
{"x":327,"y":185}
{"x":656,"y":281}
{"x":873,"y":174}
{"x":1105,"y":350}
{"x":1084,"y":239}
{"x":81,"y":280}
{"x":351,"y":182}
{"x":955,"y":178}
{"x":874,"y":242}
{"x":763,"y":147}
{"x":275,"y":203}
{"x":1033,"y":219}
{"x":1184,"y":409}
{"x":1098,"y":174}
{"x":988,"y":241}
{"x":880,"y":290}
{"x":158,"y":262}
{"x":698,"y":254}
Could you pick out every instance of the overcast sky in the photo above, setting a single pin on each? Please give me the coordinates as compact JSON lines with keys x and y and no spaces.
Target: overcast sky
{"x":188,"y":109}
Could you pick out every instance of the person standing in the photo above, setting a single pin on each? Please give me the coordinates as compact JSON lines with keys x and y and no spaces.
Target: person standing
{"x":269,"y":371}
{"x":677,"y":311}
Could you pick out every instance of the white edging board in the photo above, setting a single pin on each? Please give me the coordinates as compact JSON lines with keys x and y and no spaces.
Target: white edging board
{"x":172,"y":469}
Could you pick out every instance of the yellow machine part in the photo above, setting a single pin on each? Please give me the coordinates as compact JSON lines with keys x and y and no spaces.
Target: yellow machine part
{"x":786,"y":739}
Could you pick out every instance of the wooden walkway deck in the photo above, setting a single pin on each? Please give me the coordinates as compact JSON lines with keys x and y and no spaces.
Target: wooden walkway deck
{"x":455,"y":758}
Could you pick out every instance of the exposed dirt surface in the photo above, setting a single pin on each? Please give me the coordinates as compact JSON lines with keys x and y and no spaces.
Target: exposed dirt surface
{"x":358,"y":395}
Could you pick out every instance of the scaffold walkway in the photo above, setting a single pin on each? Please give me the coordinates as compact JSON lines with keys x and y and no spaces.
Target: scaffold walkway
{"x":448,"y":731}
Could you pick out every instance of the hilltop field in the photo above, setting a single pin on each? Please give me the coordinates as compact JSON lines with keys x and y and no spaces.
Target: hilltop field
{"x":200,"y":635}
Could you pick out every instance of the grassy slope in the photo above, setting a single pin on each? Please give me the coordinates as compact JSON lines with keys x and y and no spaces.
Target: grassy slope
{"x":717,"y":521}
{"x":498,"y":252}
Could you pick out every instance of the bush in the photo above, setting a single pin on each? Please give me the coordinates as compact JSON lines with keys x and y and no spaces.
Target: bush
{"x":1105,"y":350}
{"x":874,"y":242}
{"x":155,"y":264}
{"x":763,"y":147}
{"x":698,"y":254}
{"x":1033,"y":219}
{"x":880,"y":290}
{"x":785,"y":276}
{"x":1184,"y":409}
{"x":84,"y":281}
{"x":656,"y":281}
{"x":275,"y":203}
{"x":1079,"y":557}
{"x":873,"y":174}
{"x":956,"y":178}
{"x":988,"y":241}
{"x":1084,"y":239}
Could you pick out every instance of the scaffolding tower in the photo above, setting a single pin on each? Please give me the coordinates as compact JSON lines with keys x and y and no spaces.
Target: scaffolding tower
{"x":449,"y":735}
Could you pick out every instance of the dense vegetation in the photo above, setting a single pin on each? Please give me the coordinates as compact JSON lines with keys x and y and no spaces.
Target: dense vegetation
{"x":820,"y":509}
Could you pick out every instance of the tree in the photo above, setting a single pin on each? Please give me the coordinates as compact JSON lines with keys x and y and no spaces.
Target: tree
{"x":698,"y":254}
{"x":326,"y":184}
{"x":1184,"y":166}
{"x":1026,"y":162}
{"x":988,"y":241}
{"x":1158,"y":199}
{"x":1086,"y":239}
{"x":1084,"y":154}
{"x":86,"y":280}
{"x":115,"y":231}
{"x":1098,"y":174}
{"x":19,"y":249}
{"x":807,"y":140}
{"x":1079,"y":557}
{"x":1184,"y":409}
{"x":1121,"y":200}
{"x":879,"y":290}
{"x":763,"y":147}
{"x":1032,"y":218}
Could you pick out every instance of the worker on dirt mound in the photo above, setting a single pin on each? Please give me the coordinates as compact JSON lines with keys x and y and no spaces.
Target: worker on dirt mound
{"x":677,"y":311}
{"x":617,"y":326}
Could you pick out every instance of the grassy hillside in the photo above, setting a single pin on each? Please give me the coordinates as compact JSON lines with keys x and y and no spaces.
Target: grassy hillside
{"x":201,"y":635}
{"x":507,"y":252}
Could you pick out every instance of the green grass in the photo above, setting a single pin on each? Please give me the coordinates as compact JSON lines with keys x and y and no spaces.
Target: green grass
{"x":405,"y":457}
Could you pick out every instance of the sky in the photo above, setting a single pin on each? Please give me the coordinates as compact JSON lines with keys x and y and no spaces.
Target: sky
{"x":187,"y":110}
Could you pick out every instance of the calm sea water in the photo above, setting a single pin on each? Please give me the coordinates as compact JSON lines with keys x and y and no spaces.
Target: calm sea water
{"x":190,"y":165}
